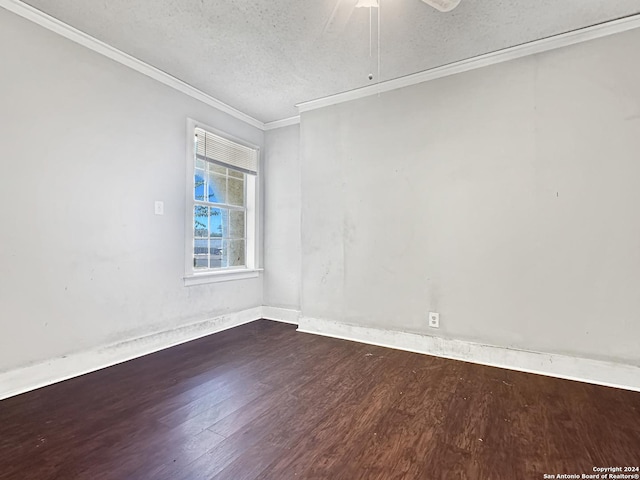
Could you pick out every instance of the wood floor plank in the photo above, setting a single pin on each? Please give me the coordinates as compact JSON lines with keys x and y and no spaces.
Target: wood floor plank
{"x":258,"y":433}
{"x":339,"y":434}
{"x":404,"y":434}
{"x":263,"y":401}
{"x":320,"y":421}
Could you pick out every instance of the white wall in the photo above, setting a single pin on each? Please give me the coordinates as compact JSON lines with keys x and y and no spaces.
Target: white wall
{"x":87,"y":146}
{"x":282,"y":218}
{"x":504,"y":198}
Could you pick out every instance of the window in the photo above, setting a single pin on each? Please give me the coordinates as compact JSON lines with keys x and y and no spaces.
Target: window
{"x":221,"y":207}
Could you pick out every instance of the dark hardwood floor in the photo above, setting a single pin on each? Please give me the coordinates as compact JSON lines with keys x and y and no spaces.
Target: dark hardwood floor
{"x":262,"y":401}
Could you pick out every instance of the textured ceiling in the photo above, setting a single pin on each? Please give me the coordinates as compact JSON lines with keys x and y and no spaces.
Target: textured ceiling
{"x":264,"y":56}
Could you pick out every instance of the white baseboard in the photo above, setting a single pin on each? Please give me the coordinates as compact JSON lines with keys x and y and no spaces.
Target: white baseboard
{"x":553,"y":365}
{"x":284,"y":315}
{"x":29,"y":378}
{"x":15,"y":382}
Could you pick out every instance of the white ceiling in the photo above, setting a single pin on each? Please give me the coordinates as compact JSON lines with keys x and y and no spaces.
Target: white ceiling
{"x":264,"y":56}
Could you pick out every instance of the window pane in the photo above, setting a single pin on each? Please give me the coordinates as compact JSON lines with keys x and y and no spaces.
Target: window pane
{"x":200,"y":221}
{"x":236,"y":224}
{"x":200,"y":163}
{"x":200,"y":246}
{"x":199,"y":183}
{"x":215,"y":168}
{"x":200,"y":255}
{"x":234,"y":253}
{"x":235,"y":173}
{"x":236,"y":191}
{"x":217,"y":188}
{"x":215,"y":251}
{"x":219,"y":221}
{"x":200,"y":262}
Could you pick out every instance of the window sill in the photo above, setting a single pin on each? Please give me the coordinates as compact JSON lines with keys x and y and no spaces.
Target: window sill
{"x":224,"y":276}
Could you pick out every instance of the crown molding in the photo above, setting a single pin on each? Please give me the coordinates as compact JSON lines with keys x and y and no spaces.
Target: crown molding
{"x":551,"y":43}
{"x":493,"y":58}
{"x":36,"y":16}
{"x":285,"y":122}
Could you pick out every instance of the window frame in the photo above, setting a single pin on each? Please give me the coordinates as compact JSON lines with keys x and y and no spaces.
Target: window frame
{"x":194,"y":276}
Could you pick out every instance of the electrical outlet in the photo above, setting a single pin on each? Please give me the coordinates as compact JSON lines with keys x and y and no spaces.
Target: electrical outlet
{"x":434,"y":320}
{"x":159,"y":208}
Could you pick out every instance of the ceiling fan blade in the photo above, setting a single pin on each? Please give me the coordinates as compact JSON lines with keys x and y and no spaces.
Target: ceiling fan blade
{"x":443,"y":5}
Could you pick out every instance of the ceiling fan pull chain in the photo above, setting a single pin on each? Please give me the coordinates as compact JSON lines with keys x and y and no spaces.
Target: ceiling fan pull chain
{"x":379,"y":15}
{"x":370,"y":31}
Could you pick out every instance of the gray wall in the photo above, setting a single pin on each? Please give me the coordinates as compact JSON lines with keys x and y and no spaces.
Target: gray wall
{"x":505,"y":198}
{"x":282,"y":218}
{"x":87,"y":146}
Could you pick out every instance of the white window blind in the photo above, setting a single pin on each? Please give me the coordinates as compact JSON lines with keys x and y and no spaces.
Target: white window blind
{"x":221,"y":151}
